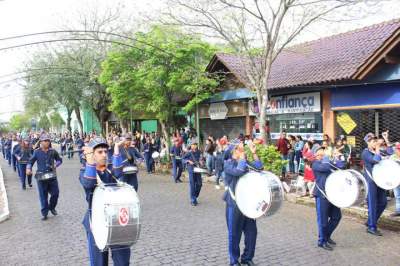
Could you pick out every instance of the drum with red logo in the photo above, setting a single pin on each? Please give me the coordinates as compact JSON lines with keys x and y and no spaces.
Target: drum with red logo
{"x":115,"y":219}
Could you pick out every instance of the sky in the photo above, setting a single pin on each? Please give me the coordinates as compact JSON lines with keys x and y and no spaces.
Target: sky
{"x":30,"y":16}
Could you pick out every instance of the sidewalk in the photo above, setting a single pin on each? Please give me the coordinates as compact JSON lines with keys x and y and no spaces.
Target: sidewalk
{"x":4,"y":211}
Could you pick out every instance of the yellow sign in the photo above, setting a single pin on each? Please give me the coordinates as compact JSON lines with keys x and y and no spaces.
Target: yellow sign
{"x":346,"y":122}
{"x":351,"y":140}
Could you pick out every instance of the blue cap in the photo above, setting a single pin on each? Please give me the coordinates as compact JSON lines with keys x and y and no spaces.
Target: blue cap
{"x":97,"y":141}
{"x":44,"y":137}
{"x":369,"y":136}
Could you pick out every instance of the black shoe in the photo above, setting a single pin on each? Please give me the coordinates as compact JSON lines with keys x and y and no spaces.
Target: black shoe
{"x":366,"y":223}
{"x":374,"y":232}
{"x":54,"y":212}
{"x":23,"y":187}
{"x":395,"y":214}
{"x":331,"y":242}
{"x":325,"y":246}
{"x":30,"y":185}
{"x":179,"y":181}
{"x":248,"y":263}
{"x":44,"y":218}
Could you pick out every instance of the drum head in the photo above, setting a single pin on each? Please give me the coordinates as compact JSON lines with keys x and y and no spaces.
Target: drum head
{"x":386,"y":174}
{"x":155,"y":155}
{"x":99,"y":226}
{"x":342,"y":188}
{"x":254,"y":193}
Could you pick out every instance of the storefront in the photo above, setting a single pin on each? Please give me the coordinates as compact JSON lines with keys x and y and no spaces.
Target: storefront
{"x":297,"y":114}
{"x":367,"y":108}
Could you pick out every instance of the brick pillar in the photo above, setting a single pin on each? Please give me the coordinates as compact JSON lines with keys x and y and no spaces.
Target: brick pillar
{"x":328,"y":116}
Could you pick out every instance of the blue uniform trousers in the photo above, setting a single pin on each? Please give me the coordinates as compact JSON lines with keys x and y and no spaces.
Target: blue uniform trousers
{"x":177,"y":168}
{"x":328,"y":218}
{"x":8,"y":156}
{"x":238,"y":223}
{"x":23,"y":176}
{"x":149,"y":162}
{"x":195,"y":183}
{"x":14,"y":163}
{"x":131,"y":180}
{"x":376,"y":203}
{"x":45,"y":188}
{"x":120,"y":255}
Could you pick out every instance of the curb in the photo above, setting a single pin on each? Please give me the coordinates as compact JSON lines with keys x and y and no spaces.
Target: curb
{"x":5,"y":212}
{"x":359,"y":213}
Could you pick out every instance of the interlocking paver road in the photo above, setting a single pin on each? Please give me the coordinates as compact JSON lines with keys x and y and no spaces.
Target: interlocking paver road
{"x":175,"y":233}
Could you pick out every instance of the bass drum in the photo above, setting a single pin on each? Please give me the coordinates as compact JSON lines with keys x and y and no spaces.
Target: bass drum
{"x":115,"y":217}
{"x":346,"y":188}
{"x":386,"y":174}
{"x":259,"y":194}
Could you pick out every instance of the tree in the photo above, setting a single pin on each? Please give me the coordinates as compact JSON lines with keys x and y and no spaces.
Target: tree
{"x":19,"y":122}
{"x":56,"y":120}
{"x":257,"y":30}
{"x":44,"y":123}
{"x":165,"y":68}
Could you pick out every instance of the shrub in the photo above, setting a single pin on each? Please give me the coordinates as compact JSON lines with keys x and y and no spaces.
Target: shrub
{"x":269,"y":156}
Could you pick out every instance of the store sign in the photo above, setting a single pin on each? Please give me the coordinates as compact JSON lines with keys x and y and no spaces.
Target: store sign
{"x":346,"y":122}
{"x":217,"y":111}
{"x":297,"y":103}
{"x":305,"y":136}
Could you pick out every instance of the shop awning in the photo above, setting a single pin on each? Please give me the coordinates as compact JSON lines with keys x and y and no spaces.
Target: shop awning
{"x":231,"y":95}
{"x":366,"y":97}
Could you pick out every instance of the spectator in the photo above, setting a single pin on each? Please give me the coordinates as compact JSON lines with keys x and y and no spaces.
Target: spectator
{"x":298,"y":152}
{"x":209,"y":152}
{"x":283,"y":148}
{"x":328,"y":151}
{"x":309,"y":179}
{"x":292,"y":144}
{"x":219,"y":161}
{"x":346,"y":151}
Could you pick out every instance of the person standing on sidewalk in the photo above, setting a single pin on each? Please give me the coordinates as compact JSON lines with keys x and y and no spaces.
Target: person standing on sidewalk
{"x":23,"y":154}
{"x":209,"y":152}
{"x":283,"y":148}
{"x":46,"y":157}
{"x":237,"y":223}
{"x":176,"y":153}
{"x":377,"y":200}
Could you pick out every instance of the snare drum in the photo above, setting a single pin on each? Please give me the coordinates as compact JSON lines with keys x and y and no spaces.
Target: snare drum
{"x":155,"y":155}
{"x":130,"y":170}
{"x":46,"y":176}
{"x":115,"y":215}
{"x":259,"y":194}
{"x":199,"y":170}
{"x":386,"y":174}
{"x":346,"y":188}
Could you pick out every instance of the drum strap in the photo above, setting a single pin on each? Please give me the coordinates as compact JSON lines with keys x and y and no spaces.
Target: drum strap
{"x":230,"y":192}
{"x":320,"y":190}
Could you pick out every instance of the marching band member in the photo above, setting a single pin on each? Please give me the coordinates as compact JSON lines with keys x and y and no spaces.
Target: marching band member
{"x":23,"y":154}
{"x":129,"y":155}
{"x":96,"y":167}
{"x":328,"y":215}
{"x":148,"y":150}
{"x":177,"y":166}
{"x":192,"y":159}
{"x":45,"y":158}
{"x":234,"y":168}
{"x":376,"y":196}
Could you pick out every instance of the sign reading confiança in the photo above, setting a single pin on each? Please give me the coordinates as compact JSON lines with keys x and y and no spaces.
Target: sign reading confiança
{"x":296,"y":103}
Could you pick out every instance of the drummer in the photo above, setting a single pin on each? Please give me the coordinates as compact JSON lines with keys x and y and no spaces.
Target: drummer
{"x":234,"y":168}
{"x":328,"y":215}
{"x":192,"y":158}
{"x":377,"y":200}
{"x":96,"y":167}
{"x":129,"y":155}
{"x":177,"y":166}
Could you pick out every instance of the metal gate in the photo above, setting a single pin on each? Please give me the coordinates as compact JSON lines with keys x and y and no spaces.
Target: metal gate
{"x":390,"y":119}
{"x":231,"y":127}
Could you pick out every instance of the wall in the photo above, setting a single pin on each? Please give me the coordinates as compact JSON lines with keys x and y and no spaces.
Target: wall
{"x":328,"y":116}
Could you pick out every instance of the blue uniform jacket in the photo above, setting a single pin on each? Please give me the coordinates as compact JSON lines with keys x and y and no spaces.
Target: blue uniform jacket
{"x":370,"y":159}
{"x":16,"y":149}
{"x":176,"y":151}
{"x":233,"y":171}
{"x":45,"y":160}
{"x":7,"y":144}
{"x":193,"y":156}
{"x":132,"y":152}
{"x":87,"y":178}
{"x":24,"y":154}
{"x":322,"y":169}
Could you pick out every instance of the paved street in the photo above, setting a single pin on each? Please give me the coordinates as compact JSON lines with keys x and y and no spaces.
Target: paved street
{"x":174,"y":233}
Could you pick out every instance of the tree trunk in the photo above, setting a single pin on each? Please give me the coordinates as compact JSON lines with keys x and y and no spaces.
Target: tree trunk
{"x":69,"y":113}
{"x":78,"y":116}
{"x":164,"y":131}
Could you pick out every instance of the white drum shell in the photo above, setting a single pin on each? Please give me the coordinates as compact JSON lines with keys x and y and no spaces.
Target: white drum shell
{"x":346,"y":188}
{"x":155,"y":155}
{"x":386,"y":174}
{"x":259,"y":194}
{"x":199,"y":170}
{"x":129,"y":170}
{"x":108,"y":200}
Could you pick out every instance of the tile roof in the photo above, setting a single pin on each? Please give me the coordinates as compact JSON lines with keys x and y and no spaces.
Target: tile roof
{"x":329,"y":59}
